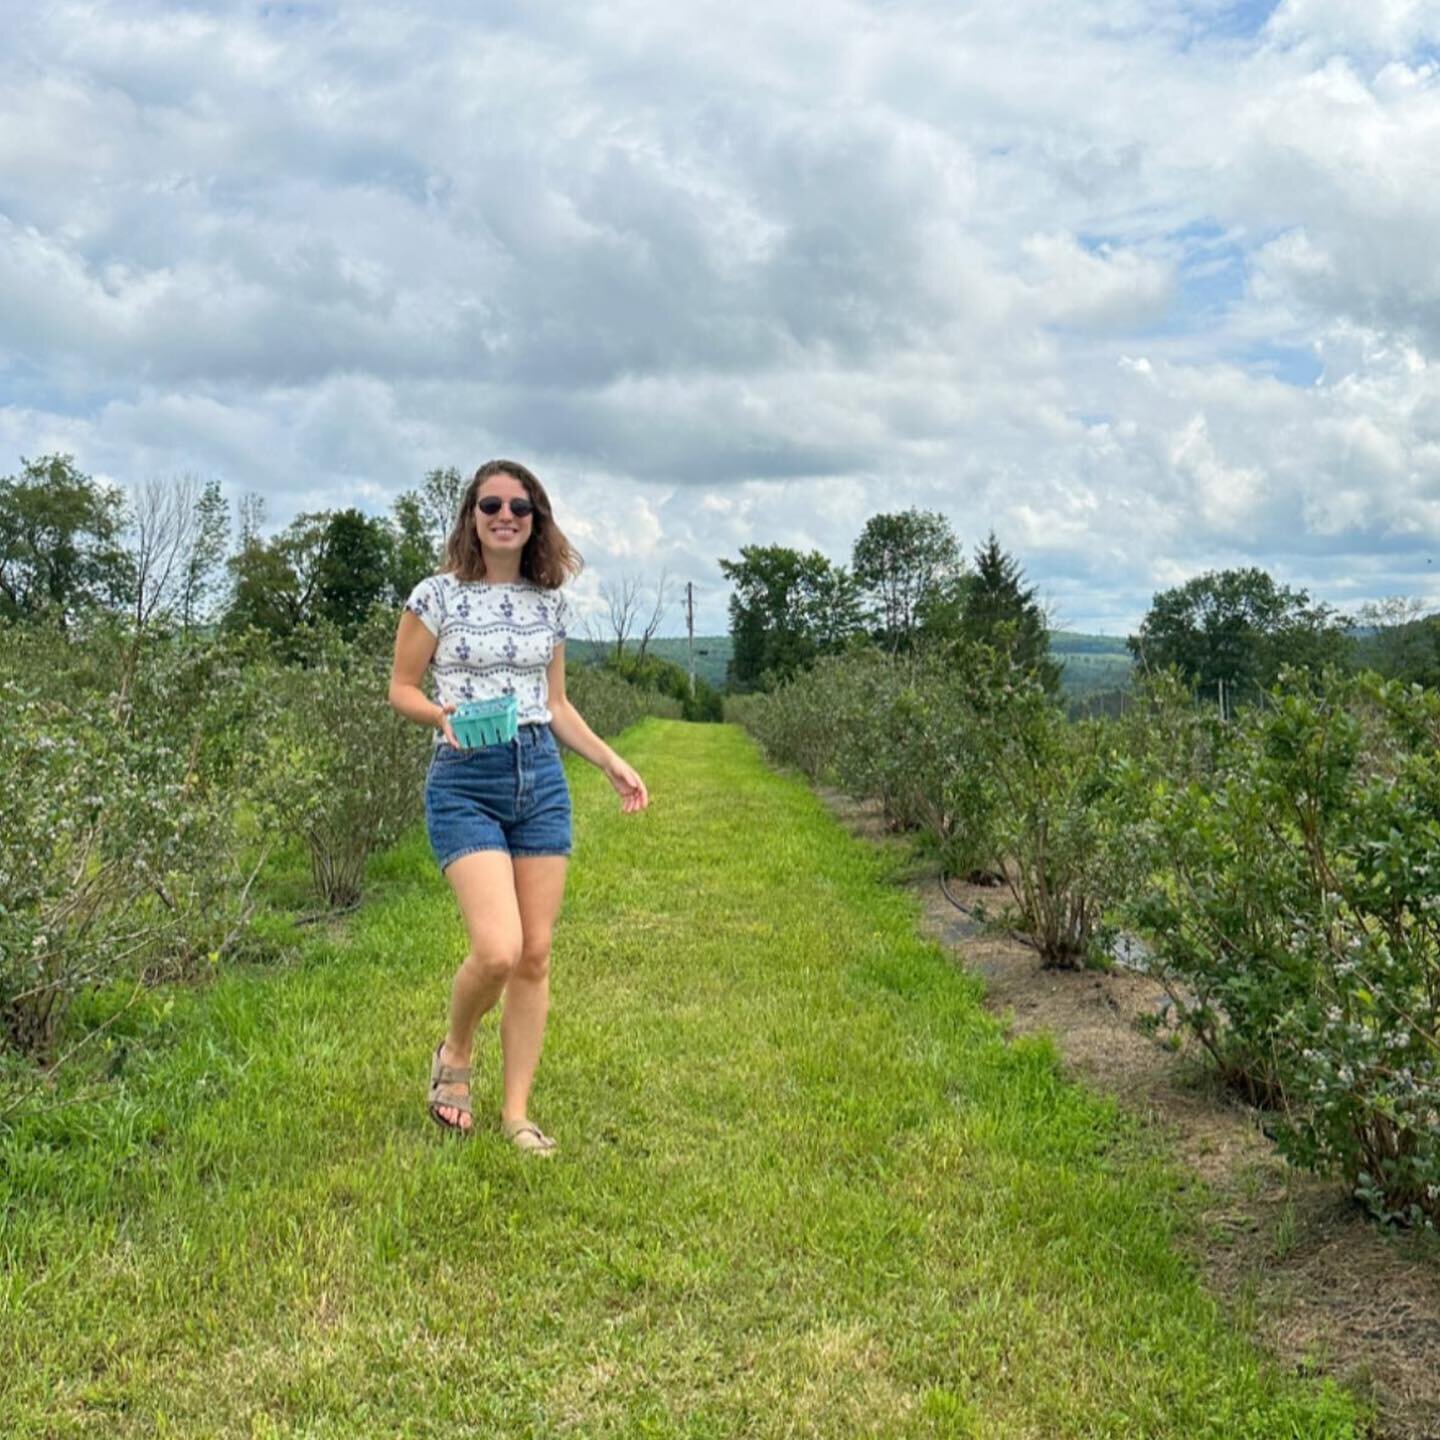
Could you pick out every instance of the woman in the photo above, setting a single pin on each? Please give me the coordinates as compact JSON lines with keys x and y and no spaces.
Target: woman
{"x":492,"y":623}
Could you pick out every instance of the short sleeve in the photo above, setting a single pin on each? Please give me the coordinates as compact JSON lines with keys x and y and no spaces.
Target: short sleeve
{"x":562,"y":617}
{"x":427,"y":603}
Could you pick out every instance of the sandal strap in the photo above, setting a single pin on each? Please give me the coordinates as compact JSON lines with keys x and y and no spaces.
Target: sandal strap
{"x":529,"y":1127}
{"x":448,"y":1076}
{"x":459,"y":1102}
{"x":443,"y":1074}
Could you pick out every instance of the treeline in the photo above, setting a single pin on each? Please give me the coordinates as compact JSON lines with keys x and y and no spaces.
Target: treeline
{"x":1229,"y":633}
{"x":68,"y":544}
{"x":192,"y":754}
{"x":907,"y":585}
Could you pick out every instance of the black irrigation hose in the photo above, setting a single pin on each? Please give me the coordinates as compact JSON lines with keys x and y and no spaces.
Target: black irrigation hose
{"x":980,"y":920}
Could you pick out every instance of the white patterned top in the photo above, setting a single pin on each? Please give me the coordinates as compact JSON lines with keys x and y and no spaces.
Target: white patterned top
{"x":492,"y":639}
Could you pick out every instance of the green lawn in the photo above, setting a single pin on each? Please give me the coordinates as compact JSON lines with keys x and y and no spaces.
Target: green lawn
{"x":804,"y":1188}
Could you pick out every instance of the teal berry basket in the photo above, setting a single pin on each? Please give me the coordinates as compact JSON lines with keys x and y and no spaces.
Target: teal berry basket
{"x":485,"y":722}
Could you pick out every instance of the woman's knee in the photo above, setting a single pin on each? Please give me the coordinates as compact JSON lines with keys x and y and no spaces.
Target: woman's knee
{"x":491,"y":963}
{"x":534,"y":958}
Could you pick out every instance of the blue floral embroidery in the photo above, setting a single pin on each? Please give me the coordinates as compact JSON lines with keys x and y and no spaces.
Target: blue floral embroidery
{"x":462,"y":650}
{"x":509,"y":647}
{"x":506,"y":608}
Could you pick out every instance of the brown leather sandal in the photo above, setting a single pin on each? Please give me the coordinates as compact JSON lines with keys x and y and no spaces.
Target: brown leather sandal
{"x":442,"y":1074}
{"x":527,"y":1135}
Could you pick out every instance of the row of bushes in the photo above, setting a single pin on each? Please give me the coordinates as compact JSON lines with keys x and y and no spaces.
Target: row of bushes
{"x":1282,"y":870}
{"x":149,"y":782}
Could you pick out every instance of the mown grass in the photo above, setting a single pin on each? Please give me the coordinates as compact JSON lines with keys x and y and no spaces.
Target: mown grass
{"x":804,"y":1187}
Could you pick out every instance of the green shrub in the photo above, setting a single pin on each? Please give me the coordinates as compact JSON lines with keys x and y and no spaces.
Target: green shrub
{"x":666,"y":678}
{"x":119,"y":857}
{"x":609,"y":704}
{"x":1292,"y":905}
{"x":962,"y":744}
{"x":340,"y":770}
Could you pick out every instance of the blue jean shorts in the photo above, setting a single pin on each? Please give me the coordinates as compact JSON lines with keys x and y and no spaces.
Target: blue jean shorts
{"x":510,"y":797}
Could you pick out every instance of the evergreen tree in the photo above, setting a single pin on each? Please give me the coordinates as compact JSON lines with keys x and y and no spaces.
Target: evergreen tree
{"x":1001,"y":610}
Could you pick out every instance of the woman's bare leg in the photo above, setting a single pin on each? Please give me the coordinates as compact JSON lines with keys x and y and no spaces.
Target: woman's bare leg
{"x":485,"y":885}
{"x":539,"y":889}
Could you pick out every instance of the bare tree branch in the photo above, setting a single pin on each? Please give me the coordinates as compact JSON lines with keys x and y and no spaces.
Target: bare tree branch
{"x":657,"y":614}
{"x":622,"y":599}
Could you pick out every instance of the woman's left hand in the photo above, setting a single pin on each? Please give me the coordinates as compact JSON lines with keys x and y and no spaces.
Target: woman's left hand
{"x":628,"y":785}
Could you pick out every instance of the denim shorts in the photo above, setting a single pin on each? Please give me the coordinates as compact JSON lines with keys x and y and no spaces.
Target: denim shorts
{"x":511,"y":797}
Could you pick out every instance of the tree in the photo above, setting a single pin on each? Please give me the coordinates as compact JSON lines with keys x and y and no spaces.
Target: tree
{"x":205,"y":558}
{"x":626,"y":598}
{"x":177,"y":536}
{"x":179,"y":532}
{"x":900,"y":563}
{"x":1239,"y":627}
{"x":251,"y":517}
{"x":276,"y":580}
{"x":413,"y":553}
{"x":265,"y":591}
{"x":353,"y":570}
{"x":1397,"y":638}
{"x":657,"y":614}
{"x":59,"y":542}
{"x":788,"y":608}
{"x":439,"y":501}
{"x":621,"y":597}
{"x":1000,"y":610}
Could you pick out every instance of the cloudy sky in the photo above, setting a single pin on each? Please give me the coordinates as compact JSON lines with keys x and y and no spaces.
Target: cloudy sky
{"x":1148,"y":287}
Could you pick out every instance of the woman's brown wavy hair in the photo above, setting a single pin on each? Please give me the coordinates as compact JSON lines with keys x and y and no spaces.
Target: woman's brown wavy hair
{"x":548,"y":558}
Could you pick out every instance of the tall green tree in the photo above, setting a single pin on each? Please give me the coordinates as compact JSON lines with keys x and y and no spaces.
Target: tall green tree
{"x":205,"y":558}
{"x":60,"y":542}
{"x":354,"y":569}
{"x":1239,"y":627}
{"x":1002,"y":611}
{"x":275,"y":581}
{"x":414,"y":552}
{"x":902,"y":563}
{"x":787,"y":609}
{"x":439,"y":499}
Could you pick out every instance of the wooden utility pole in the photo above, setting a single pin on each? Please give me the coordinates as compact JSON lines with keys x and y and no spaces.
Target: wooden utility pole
{"x":690,"y":629}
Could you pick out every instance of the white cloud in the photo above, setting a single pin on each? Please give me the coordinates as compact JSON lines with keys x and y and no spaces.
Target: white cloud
{"x":1141,"y":291}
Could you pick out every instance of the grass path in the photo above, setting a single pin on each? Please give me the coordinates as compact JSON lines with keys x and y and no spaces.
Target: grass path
{"x":804,"y":1189}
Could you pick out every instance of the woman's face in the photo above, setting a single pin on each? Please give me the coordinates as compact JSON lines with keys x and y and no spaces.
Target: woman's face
{"x":503,"y":531}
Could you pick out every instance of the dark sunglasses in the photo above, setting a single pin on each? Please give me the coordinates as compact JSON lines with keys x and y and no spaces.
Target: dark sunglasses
{"x":493,"y":504}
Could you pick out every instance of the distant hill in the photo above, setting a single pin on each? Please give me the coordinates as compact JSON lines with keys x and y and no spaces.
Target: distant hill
{"x":1092,"y":662}
{"x":712,"y":654}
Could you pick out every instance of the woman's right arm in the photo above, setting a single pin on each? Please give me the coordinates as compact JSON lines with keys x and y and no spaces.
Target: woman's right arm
{"x":414,"y":649}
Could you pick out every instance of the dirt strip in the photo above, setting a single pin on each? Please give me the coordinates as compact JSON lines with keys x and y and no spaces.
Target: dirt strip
{"x":1324,"y":1288}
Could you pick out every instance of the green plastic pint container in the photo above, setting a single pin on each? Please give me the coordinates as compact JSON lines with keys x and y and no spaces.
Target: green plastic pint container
{"x":485,"y":722}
